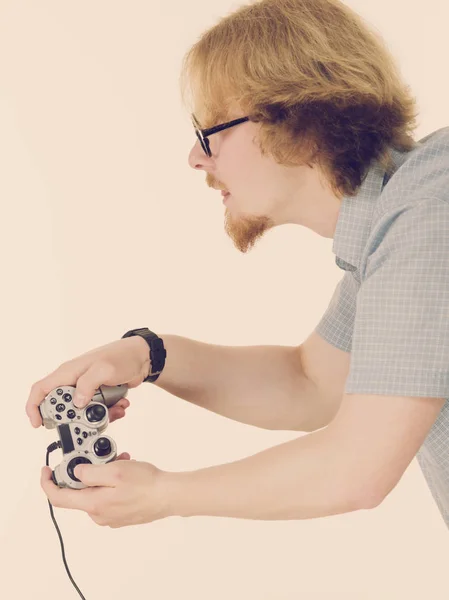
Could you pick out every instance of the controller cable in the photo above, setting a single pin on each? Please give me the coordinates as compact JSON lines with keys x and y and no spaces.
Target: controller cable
{"x":51,"y":448}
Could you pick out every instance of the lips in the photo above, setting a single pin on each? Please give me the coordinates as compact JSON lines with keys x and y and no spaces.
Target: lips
{"x":224,"y":193}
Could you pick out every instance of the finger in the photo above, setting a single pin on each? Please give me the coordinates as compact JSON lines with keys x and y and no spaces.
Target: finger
{"x":116,"y":413}
{"x":117,"y":410}
{"x":64,"y":497}
{"x":64,"y":375}
{"x":123,"y":402}
{"x":123,"y":456}
{"x":97,"y":374}
{"x":97,"y":475}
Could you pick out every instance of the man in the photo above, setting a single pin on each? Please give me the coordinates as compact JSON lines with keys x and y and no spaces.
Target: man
{"x":313,"y":127}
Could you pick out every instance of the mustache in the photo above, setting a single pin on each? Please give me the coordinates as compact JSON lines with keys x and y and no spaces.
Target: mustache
{"x":211,"y":183}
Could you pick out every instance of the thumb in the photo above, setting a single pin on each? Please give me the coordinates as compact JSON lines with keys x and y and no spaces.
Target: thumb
{"x":98,"y":474}
{"x":88,"y":383}
{"x":92,"y":475}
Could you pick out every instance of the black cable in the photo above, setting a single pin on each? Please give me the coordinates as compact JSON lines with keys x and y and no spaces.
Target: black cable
{"x":50,"y":448}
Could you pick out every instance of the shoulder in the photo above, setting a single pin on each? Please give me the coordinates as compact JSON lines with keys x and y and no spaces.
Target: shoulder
{"x":423,"y":174}
{"x":411,"y":237}
{"x":413,"y":207}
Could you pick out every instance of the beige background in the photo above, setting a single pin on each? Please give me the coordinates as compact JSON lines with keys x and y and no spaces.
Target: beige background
{"x":106,"y":228}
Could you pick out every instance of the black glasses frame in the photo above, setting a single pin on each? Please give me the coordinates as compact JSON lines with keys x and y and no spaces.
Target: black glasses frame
{"x":203,"y":134}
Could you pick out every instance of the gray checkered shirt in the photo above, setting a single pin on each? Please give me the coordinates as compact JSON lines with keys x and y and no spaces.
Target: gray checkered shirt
{"x":390,"y":309}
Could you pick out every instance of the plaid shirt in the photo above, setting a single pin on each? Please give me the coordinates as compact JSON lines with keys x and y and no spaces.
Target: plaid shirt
{"x":390,"y":310}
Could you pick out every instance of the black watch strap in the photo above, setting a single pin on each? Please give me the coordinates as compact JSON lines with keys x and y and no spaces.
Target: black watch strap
{"x":157,"y":351}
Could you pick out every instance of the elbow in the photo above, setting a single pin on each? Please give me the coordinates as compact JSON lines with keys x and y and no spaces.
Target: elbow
{"x":373,"y":494}
{"x":365,"y":497}
{"x":369,"y":501}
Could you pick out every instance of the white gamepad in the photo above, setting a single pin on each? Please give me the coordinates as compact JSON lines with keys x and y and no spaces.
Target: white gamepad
{"x":79,"y":429}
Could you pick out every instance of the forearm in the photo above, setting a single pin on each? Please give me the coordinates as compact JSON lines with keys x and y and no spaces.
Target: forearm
{"x":301,"y":479}
{"x":258,"y":385}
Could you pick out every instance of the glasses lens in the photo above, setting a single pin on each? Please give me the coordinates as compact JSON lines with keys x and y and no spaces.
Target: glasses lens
{"x":200,"y":137}
{"x":203,"y":142}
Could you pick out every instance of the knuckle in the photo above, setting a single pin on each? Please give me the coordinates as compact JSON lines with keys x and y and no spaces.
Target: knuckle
{"x":37,"y":387}
{"x":117,"y":472}
{"x":64,"y":366}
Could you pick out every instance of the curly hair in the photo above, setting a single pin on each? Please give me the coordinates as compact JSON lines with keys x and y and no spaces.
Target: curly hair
{"x":320,"y":82}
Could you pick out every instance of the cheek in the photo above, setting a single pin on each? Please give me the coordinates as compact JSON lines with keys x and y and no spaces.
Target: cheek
{"x":258,"y":181}
{"x":243,"y":172}
{"x":250,"y":177}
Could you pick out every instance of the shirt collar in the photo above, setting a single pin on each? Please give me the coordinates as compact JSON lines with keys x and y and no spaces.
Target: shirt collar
{"x":355,"y":215}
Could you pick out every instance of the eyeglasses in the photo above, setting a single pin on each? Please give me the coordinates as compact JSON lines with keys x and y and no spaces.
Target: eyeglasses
{"x":203,"y":134}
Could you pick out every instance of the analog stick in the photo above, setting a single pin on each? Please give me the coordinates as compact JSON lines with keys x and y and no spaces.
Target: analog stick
{"x":102,"y":447}
{"x":95,"y":413}
{"x":78,"y":460}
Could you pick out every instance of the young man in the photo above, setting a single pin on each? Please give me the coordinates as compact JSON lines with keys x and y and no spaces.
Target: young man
{"x":314,"y":128}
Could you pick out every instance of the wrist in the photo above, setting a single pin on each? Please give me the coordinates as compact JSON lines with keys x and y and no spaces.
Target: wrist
{"x":142,"y":345}
{"x":144,"y":352}
{"x":156,"y":349}
{"x":171,"y":487}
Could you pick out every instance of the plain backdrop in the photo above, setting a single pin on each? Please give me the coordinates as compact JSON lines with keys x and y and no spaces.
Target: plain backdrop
{"x":105,"y":228}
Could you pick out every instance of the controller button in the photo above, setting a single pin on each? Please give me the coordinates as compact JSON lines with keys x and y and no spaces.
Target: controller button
{"x":59,"y":391}
{"x":67,"y":397}
{"x":102,"y":447}
{"x":79,"y":441}
{"x":53,"y":401}
{"x":78,"y":460}
{"x":60,"y":407}
{"x":58,"y":417}
{"x":77,"y":430}
{"x":95,"y":413}
{"x":71,"y":414}
{"x":85,"y":434}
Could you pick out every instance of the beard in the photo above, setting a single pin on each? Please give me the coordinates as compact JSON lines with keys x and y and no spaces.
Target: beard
{"x":245,"y":231}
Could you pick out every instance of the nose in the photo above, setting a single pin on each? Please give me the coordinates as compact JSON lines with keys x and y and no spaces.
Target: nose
{"x":198,"y":159}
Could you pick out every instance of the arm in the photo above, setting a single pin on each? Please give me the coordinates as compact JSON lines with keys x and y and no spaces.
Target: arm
{"x":264,"y":386}
{"x":352,"y":464}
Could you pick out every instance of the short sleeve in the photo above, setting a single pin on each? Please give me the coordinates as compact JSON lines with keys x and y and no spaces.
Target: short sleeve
{"x":337,"y":323}
{"x":400,"y":343}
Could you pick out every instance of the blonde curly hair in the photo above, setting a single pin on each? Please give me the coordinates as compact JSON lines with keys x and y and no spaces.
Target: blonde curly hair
{"x":320,"y":82}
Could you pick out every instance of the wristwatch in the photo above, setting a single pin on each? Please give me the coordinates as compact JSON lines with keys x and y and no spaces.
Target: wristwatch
{"x":157,"y":351}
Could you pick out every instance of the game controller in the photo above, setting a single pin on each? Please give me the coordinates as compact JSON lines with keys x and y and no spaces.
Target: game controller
{"x":80,"y":429}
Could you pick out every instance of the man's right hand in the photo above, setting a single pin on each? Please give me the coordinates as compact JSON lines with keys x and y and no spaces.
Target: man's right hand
{"x":122,"y":361}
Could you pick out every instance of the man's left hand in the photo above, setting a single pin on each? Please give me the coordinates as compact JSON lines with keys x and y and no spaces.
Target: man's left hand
{"x":119,"y":493}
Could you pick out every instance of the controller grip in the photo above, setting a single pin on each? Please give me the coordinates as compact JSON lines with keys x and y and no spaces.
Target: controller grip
{"x":110,"y":395}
